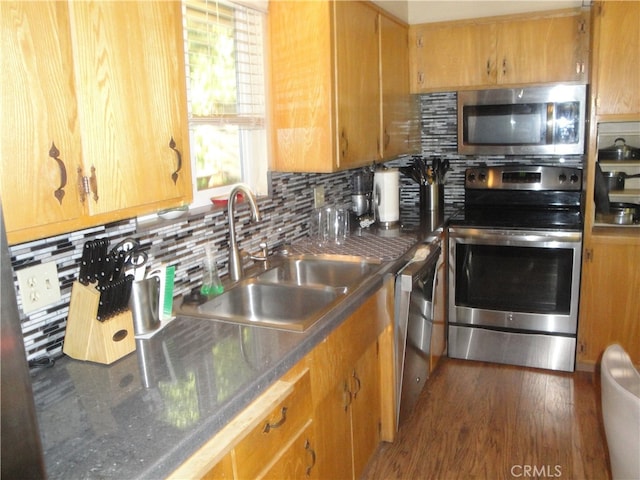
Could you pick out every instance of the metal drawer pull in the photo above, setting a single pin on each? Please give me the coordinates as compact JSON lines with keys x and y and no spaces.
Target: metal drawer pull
{"x":307,"y":447}
{"x":59,"y":192}
{"x":268,"y":426}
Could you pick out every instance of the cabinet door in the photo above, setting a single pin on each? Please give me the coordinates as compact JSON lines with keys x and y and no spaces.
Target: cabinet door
{"x":399,"y":109}
{"x":365,"y":409}
{"x":358,"y":85}
{"x":333,"y":433}
{"x":302,"y":86}
{"x":452,"y":55}
{"x":37,"y":112}
{"x":131,"y":90}
{"x":617,"y":51}
{"x":542,"y":50}
{"x":610,"y":309}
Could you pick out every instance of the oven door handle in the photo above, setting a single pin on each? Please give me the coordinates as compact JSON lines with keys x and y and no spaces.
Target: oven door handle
{"x":514,"y":237}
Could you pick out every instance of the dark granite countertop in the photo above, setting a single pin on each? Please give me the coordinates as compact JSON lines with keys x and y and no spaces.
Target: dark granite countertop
{"x":145,"y":414}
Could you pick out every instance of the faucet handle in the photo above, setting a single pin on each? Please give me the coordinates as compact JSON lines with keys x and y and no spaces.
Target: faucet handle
{"x":264,"y":253}
{"x":264,"y":249}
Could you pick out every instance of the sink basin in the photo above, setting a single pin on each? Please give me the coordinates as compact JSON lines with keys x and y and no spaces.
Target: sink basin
{"x":292,"y":295}
{"x":287,"y":307}
{"x":333,"y":271}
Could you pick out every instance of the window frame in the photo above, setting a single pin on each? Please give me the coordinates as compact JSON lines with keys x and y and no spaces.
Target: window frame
{"x":254,"y":168}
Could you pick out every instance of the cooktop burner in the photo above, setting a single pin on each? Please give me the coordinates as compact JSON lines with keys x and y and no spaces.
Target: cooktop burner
{"x":555,"y":219}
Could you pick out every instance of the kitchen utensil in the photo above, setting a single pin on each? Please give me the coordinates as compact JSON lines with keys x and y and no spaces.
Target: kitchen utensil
{"x":431,"y":197}
{"x":601,"y":191}
{"x":144,"y":305}
{"x":362,"y":182}
{"x":360,"y":204}
{"x":386,"y":196}
{"x":129,"y":258}
{"x":615,"y":180}
{"x":619,"y":151}
{"x":620,"y":213}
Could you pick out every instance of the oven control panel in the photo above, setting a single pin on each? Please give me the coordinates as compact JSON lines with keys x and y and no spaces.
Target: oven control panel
{"x":524,"y":177}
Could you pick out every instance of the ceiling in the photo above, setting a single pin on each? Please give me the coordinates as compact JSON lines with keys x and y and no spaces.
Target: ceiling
{"x":426,"y":11}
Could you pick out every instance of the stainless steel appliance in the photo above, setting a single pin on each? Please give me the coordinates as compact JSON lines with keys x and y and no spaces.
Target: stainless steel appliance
{"x":514,"y":266}
{"x":535,"y":120}
{"x":21,"y":447}
{"x":415,"y":299}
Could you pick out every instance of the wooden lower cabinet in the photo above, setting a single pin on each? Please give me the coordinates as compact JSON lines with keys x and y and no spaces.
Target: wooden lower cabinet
{"x":324,"y":417}
{"x":298,"y":460}
{"x":609,"y":304}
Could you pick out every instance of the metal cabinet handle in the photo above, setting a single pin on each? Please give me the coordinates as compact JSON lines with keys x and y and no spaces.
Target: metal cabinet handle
{"x":347,"y":397}
{"x":488,"y":66}
{"x":307,"y":447}
{"x":344,"y":143}
{"x":504,"y":66}
{"x":55,"y":154}
{"x":83,"y":185}
{"x":268,"y":426}
{"x":358,"y":384}
{"x":172,"y":146}
{"x":93,"y":183}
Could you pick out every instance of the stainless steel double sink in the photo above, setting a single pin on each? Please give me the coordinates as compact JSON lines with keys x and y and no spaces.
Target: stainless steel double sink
{"x":291,"y":295}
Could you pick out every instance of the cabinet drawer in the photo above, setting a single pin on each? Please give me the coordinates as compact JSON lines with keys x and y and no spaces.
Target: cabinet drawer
{"x":297,"y":460}
{"x":279,"y":427}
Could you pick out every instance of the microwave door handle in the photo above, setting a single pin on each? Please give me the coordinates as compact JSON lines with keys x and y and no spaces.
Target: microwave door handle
{"x":551,"y":123}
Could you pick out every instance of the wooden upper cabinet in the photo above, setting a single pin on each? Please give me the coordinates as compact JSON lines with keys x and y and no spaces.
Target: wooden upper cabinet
{"x":616,"y":54}
{"x":132,"y":97}
{"x":37,"y":112}
{"x":104,"y":82}
{"x":450,"y":55}
{"x":358,"y":85}
{"x":543,"y":48}
{"x":400,"y":111}
{"x":302,"y":86}
{"x":326,"y":87}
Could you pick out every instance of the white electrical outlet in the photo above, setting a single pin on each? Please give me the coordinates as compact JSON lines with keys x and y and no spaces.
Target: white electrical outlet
{"x":318,"y":196}
{"x":39,"y":286}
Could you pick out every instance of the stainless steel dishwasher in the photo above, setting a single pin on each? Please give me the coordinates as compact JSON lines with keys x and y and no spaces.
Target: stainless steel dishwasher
{"x":414,"y":315}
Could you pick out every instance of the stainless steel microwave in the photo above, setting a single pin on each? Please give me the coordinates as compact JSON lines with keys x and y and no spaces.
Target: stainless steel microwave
{"x":547,"y":120}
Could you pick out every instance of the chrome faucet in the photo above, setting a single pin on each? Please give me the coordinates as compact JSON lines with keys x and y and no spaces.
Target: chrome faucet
{"x":236,"y":270}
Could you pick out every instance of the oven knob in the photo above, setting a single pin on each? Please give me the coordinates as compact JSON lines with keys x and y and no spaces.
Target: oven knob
{"x":562,"y":178}
{"x":574,"y":178}
{"x":471,"y":177}
{"x":482,"y":177}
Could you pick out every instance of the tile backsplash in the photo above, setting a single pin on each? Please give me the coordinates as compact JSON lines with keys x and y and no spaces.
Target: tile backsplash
{"x":285,"y":218}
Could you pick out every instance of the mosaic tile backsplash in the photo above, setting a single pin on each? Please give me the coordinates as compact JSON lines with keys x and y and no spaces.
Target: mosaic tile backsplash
{"x":285,"y":218}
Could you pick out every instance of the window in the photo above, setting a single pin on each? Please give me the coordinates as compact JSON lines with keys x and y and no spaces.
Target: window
{"x":224,"y":52}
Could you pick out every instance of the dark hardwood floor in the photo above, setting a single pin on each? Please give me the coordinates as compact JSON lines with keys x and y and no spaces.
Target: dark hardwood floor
{"x":489,"y":421}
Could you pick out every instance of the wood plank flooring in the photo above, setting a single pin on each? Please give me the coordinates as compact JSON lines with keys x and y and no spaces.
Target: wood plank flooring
{"x":476,"y":420}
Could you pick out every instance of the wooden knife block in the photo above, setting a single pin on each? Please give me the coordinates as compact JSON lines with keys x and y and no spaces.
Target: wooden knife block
{"x":87,"y":338}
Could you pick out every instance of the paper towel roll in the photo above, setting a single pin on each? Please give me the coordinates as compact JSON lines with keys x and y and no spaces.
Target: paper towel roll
{"x":386,"y":194}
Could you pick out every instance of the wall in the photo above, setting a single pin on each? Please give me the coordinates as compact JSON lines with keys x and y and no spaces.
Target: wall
{"x":285,"y":219}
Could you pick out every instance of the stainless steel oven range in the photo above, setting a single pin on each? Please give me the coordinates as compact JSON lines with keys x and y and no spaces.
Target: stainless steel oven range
{"x":514,"y":266}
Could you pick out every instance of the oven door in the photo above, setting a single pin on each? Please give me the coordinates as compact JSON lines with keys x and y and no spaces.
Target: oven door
{"x":514,"y":279}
